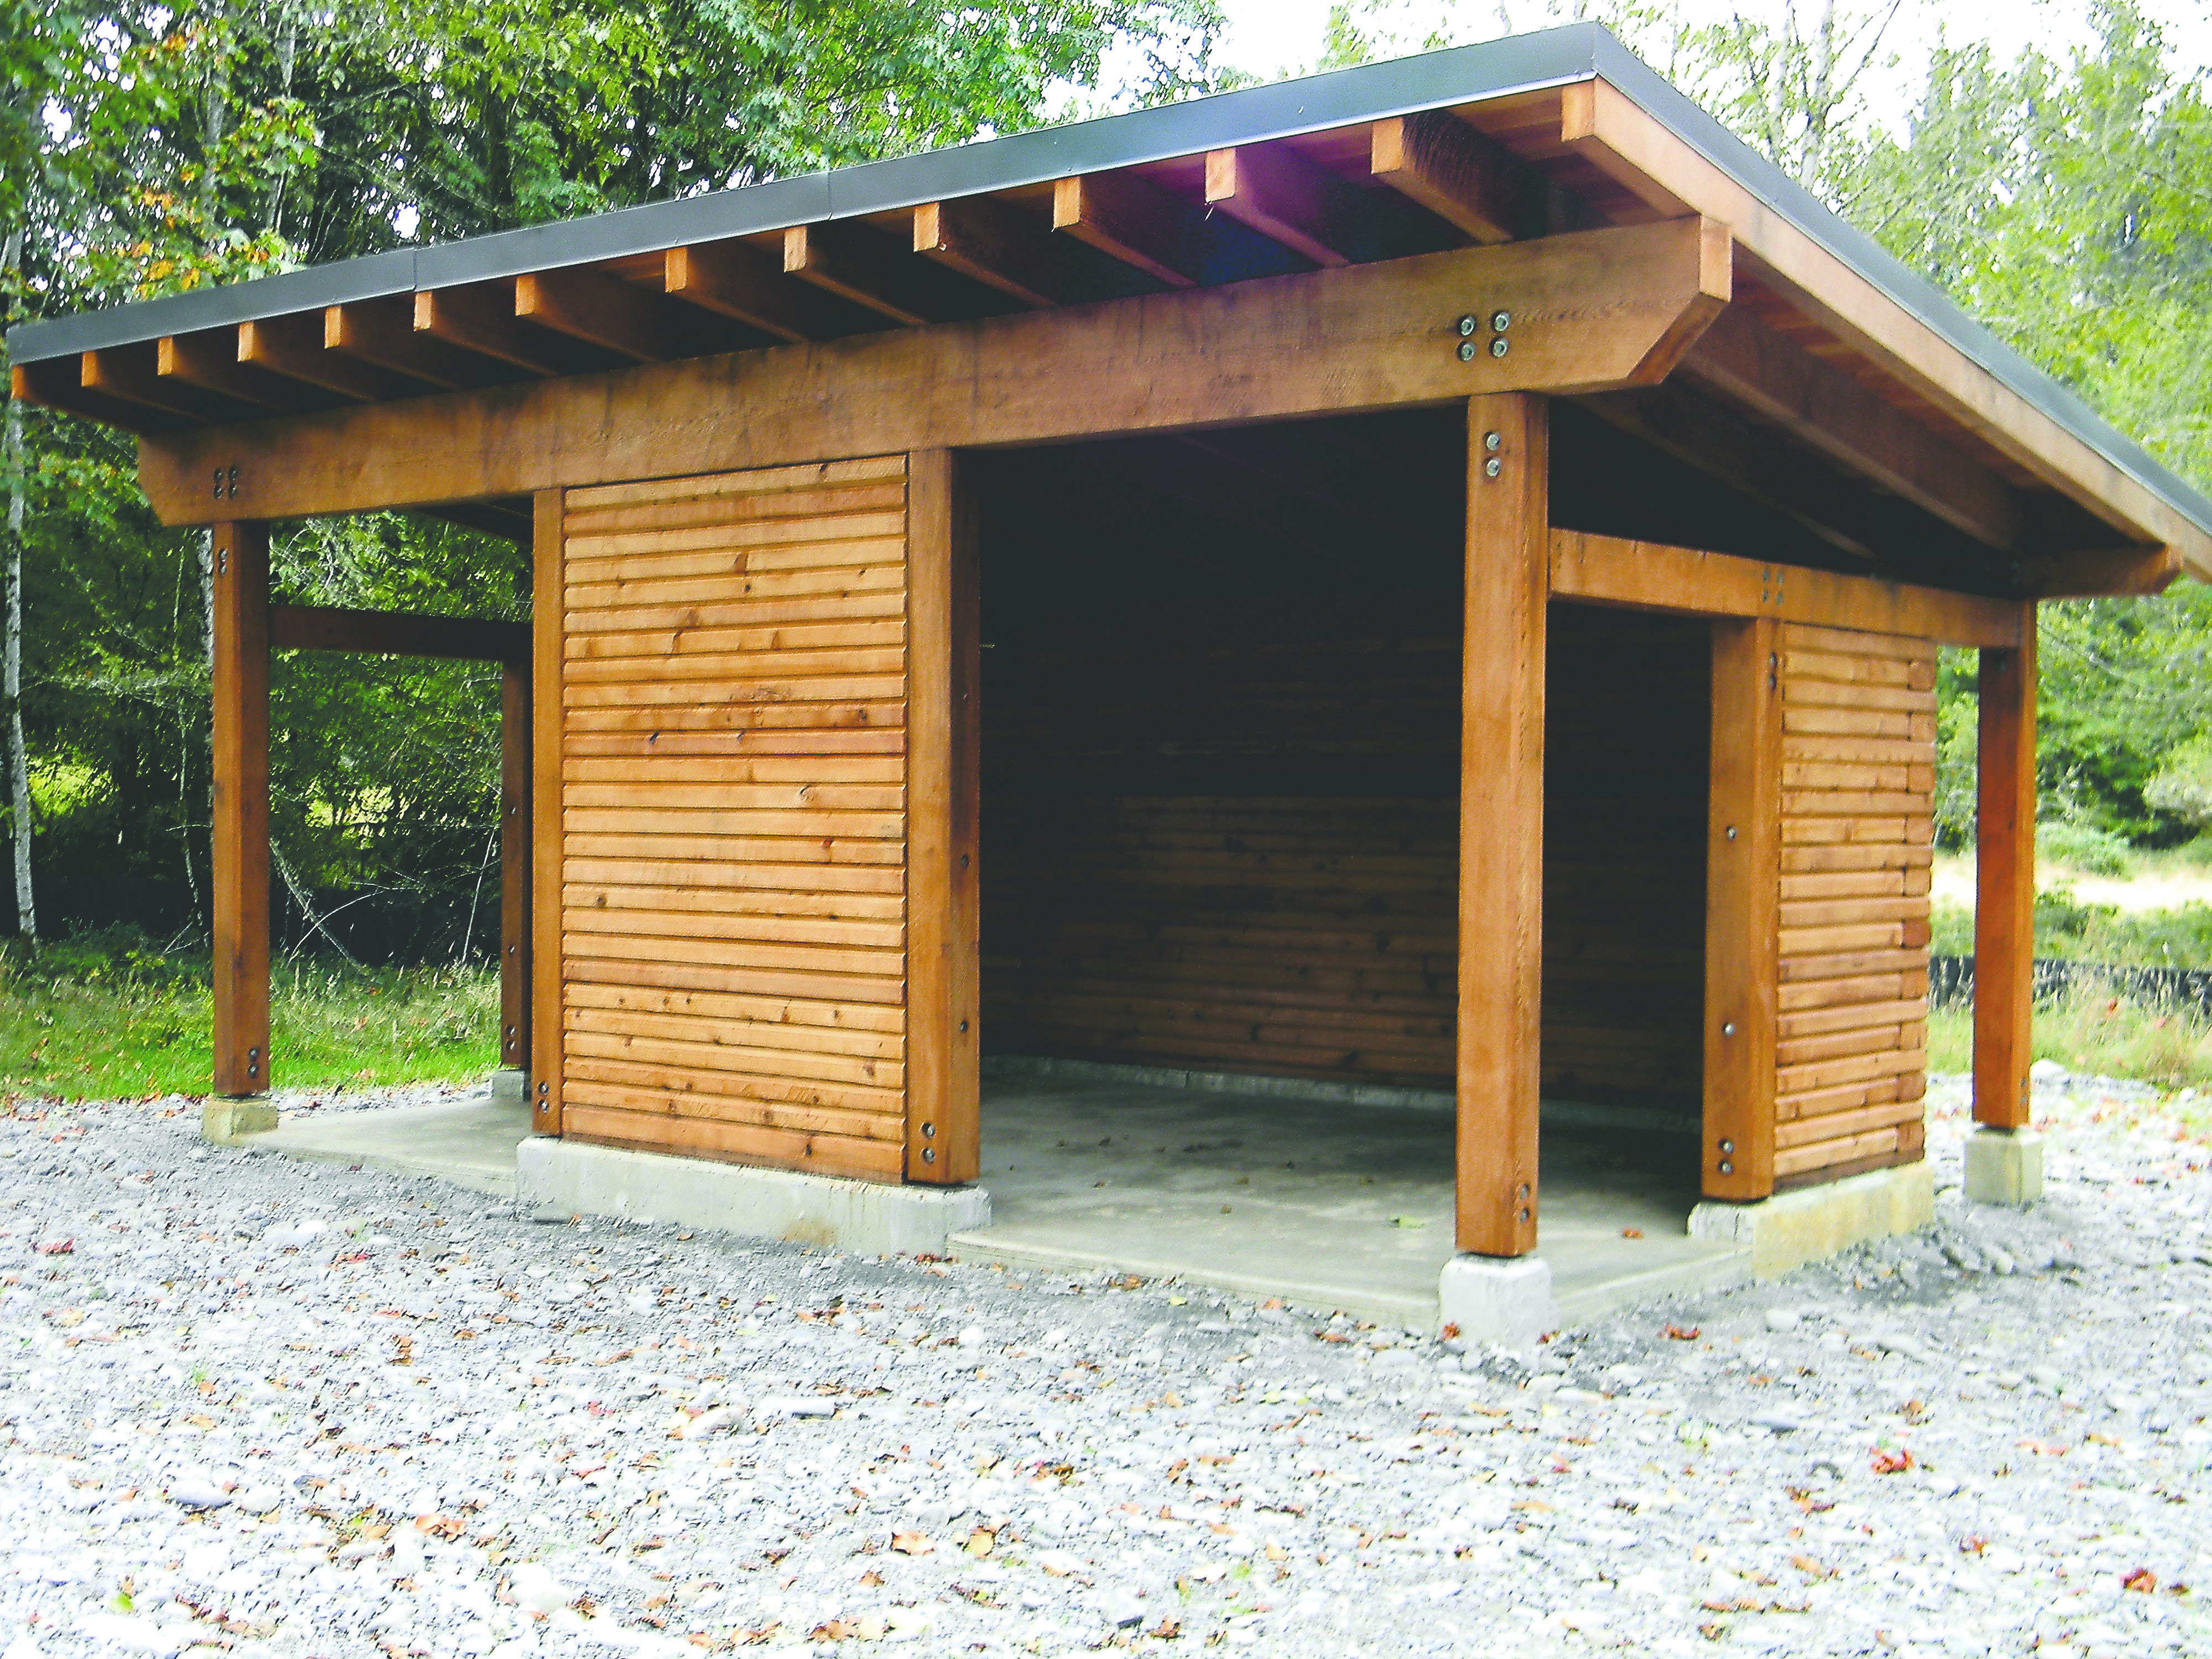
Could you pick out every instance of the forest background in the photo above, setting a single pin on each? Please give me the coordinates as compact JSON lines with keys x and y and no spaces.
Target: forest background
{"x":144,"y":149}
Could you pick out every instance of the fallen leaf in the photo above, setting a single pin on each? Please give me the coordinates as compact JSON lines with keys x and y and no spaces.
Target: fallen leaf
{"x":2141,"y":1579}
{"x":979,"y":1543}
{"x":1683,"y":1334}
{"x":1893,"y":1462}
{"x":912,"y":1543}
{"x":1166,"y":1630}
{"x":1631,"y":1232}
{"x":871,"y":1578}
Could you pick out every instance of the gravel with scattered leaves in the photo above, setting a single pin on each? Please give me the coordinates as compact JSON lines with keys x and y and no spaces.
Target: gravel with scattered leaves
{"x":277,"y":1408}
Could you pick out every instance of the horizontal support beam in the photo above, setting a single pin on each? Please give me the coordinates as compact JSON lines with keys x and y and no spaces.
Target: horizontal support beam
{"x":1646,"y":576}
{"x":2105,"y":572}
{"x":1595,"y":310}
{"x":396,"y":634}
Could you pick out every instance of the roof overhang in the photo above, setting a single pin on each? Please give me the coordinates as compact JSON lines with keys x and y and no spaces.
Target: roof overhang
{"x":1832,"y":354}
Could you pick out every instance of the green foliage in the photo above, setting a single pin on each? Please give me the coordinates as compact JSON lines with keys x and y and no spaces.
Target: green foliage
{"x":113,"y":1019}
{"x":2067,"y":926}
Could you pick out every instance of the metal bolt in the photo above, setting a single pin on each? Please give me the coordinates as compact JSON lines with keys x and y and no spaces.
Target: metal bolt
{"x":1466,"y":326}
{"x":1467,"y":351}
{"x":1492,"y":442}
{"x":929,"y":1132}
{"x":218,"y":471}
{"x":929,"y":1155}
{"x":1524,"y":1215}
{"x":1500,"y":346}
{"x":964,"y":1027}
{"x":1727,"y":1168}
{"x":1727,"y":1028}
{"x":1492,"y":467}
{"x":1731,"y":832}
{"x":1500,"y":321}
{"x":234,"y":483}
{"x":1728,"y":1146}
{"x":1524,"y":1189}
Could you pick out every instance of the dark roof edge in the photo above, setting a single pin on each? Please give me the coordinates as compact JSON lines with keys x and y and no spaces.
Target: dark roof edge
{"x":1283,"y":109}
{"x":1910,"y":291}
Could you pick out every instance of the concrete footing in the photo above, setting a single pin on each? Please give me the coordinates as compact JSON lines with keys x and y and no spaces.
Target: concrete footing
{"x":227,"y":1122}
{"x":509,"y":1086}
{"x":2003,"y":1166}
{"x":1791,"y":1229}
{"x":1491,"y":1299}
{"x":870,"y":1218}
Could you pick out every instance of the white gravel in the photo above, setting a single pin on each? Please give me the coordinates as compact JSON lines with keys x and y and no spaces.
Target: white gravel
{"x":292,"y":1410}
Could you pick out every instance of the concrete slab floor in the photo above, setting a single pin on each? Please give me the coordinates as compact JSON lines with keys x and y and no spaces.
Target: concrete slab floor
{"x":469,"y":1142}
{"x":1326,"y":1205}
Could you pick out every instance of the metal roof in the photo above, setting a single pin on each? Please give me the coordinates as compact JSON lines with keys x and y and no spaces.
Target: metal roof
{"x":1464,"y":75}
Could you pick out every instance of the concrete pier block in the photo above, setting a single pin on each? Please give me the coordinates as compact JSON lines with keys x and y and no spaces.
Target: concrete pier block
{"x":1791,"y":1229}
{"x":871,"y":1218}
{"x":2003,"y":1166}
{"x":1505,"y":1300}
{"x":508,"y":1085}
{"x":227,"y":1122}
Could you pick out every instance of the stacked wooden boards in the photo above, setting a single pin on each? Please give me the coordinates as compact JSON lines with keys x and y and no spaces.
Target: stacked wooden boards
{"x":1858,"y":798}
{"x":732,"y":805}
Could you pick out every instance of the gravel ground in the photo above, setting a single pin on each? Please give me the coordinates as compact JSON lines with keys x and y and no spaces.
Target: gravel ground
{"x":285,"y":1409}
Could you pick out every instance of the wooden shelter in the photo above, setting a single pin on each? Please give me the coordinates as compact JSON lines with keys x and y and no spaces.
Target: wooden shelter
{"x":1425,"y":575}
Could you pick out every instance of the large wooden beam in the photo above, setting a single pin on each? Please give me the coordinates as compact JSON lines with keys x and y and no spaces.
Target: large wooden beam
{"x":1501,"y":826}
{"x":514,"y":888}
{"x":1831,"y":411}
{"x":2005,"y":883}
{"x":1647,"y":577}
{"x":548,"y":608}
{"x":396,"y":634}
{"x":1743,"y":886}
{"x":240,"y":579}
{"x":944,"y":805}
{"x":1594,"y":309}
{"x":1606,"y":128}
{"x":2096,"y":573}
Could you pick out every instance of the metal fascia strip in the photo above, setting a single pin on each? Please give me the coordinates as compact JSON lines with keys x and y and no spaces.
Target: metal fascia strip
{"x":375,"y":276}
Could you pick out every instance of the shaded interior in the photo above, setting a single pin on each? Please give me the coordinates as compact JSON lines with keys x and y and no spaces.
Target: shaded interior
{"x":1220,"y":764}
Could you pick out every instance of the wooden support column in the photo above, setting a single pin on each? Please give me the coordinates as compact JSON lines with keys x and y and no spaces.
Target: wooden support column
{"x":1501,"y":836}
{"x":515,"y":896}
{"x":2005,"y":883}
{"x":943,"y":1141}
{"x":241,"y":578}
{"x":1743,"y":887}
{"x":547,"y":611}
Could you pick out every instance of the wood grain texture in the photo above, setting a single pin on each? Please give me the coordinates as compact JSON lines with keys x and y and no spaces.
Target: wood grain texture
{"x":240,"y":579}
{"x":1742,"y":937}
{"x":547,"y":827}
{"x":1855,"y":788}
{"x":2004,"y":880}
{"x":1592,"y":310}
{"x":733,"y":963}
{"x":1501,"y":888}
{"x":1610,"y":570}
{"x":944,"y":1129}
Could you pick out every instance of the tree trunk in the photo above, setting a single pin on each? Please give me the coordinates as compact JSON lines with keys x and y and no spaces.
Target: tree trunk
{"x":11,"y":649}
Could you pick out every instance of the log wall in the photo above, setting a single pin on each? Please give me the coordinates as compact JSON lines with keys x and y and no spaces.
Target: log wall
{"x":733,"y":804}
{"x":1858,"y":780}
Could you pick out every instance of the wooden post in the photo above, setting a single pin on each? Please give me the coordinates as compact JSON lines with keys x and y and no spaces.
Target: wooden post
{"x":1743,"y":878}
{"x":1501,"y":834}
{"x":515,"y":896}
{"x":547,"y":612}
{"x":944,"y":803}
{"x":2005,"y":883}
{"x":240,"y":580}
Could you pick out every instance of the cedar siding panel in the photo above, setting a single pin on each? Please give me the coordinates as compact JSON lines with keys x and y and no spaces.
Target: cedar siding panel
{"x":1857,"y":823}
{"x":733,"y":780}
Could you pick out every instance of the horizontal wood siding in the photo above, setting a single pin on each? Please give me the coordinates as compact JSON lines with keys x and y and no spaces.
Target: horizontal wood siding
{"x":1625,"y":780}
{"x":1253,"y":927}
{"x":734,"y":802}
{"x":1858,"y":781}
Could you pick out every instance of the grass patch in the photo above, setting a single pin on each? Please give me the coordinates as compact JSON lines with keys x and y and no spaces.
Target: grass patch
{"x":107,"y":1016}
{"x":2096,"y":1034}
{"x":2180,"y":937}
